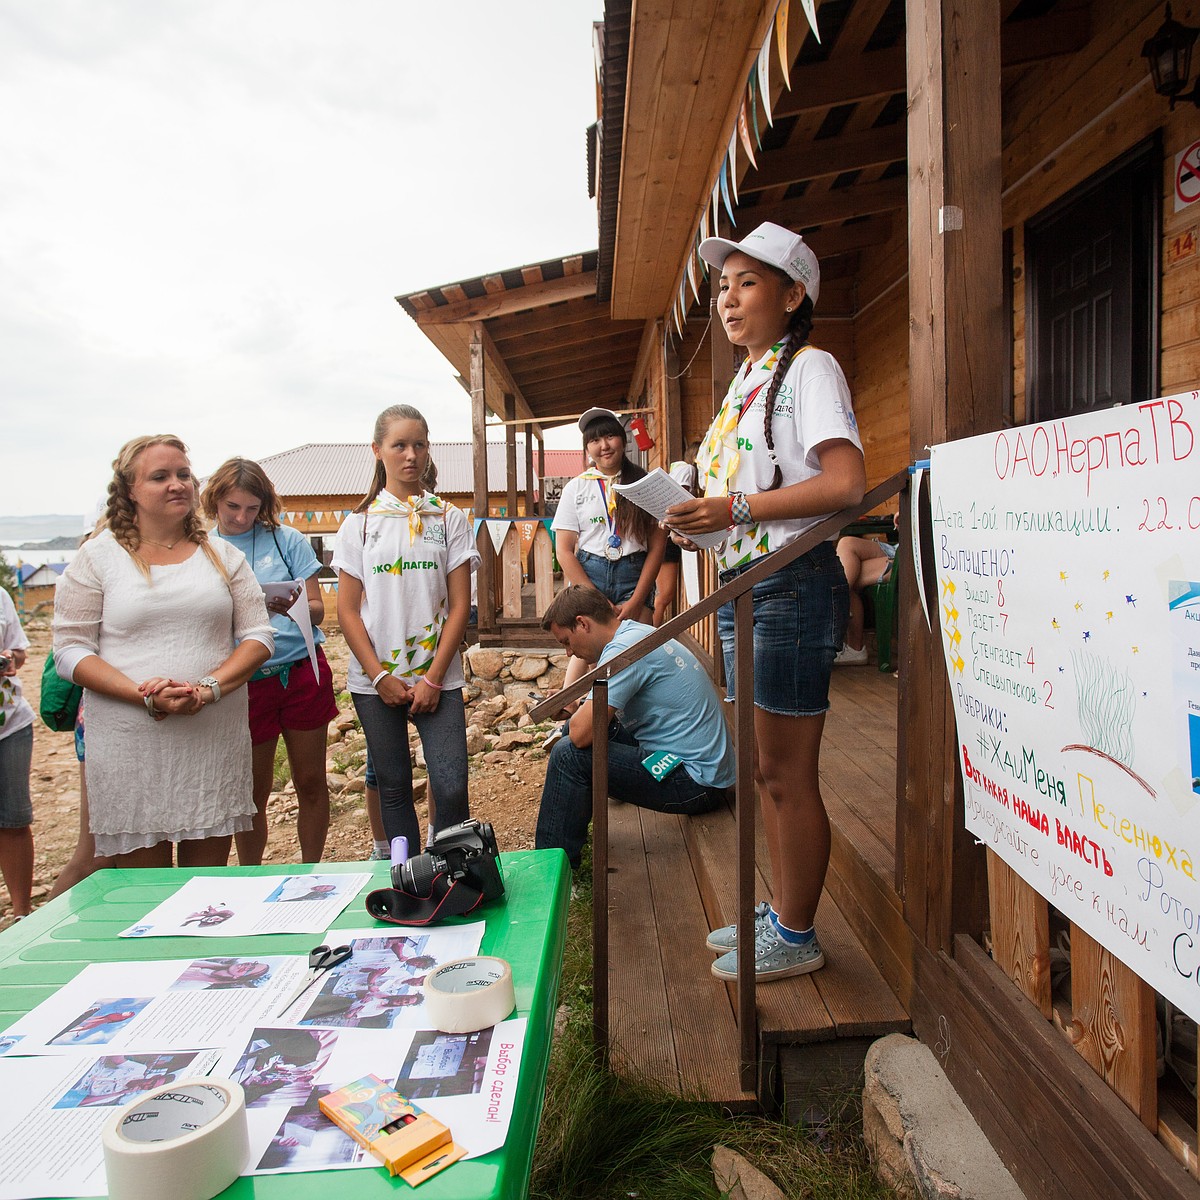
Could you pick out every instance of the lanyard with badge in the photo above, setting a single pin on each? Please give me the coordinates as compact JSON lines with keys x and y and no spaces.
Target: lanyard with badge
{"x":612,"y":548}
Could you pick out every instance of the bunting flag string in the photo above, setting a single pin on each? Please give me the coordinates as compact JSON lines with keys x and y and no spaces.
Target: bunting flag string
{"x":781,"y":24}
{"x":810,"y":11}
{"x":743,"y":128}
{"x":752,"y":92}
{"x":764,"y":79}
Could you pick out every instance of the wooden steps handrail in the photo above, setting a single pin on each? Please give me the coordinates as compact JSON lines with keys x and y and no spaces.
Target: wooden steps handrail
{"x":739,"y":591}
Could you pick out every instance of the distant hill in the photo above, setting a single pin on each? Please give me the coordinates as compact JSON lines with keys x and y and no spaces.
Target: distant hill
{"x":42,"y":528}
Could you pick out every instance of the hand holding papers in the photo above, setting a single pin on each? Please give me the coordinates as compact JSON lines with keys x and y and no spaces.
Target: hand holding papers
{"x":656,"y":492}
{"x":293,"y":593}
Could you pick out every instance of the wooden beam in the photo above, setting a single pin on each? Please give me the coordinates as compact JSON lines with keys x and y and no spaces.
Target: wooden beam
{"x":957,"y":372}
{"x":513,"y":300}
{"x":497,"y":365}
{"x":510,"y":454}
{"x":834,"y":240}
{"x":858,"y":200}
{"x":529,"y":470}
{"x":829,"y":156}
{"x":650,"y":346}
{"x":486,"y":620}
{"x":553,"y":317}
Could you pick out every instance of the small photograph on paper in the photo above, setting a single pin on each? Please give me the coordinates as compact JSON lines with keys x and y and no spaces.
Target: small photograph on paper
{"x":444,"y":1064}
{"x":281,"y":1066}
{"x":118,"y":1078}
{"x":98,"y":1024}
{"x":210,"y":915}
{"x":223,"y":974}
{"x":8,"y":1041}
{"x":307,"y":1140}
{"x":305,"y":887}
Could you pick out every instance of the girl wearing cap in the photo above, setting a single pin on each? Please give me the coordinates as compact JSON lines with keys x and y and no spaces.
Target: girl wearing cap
{"x":782,"y":454}
{"x":404,"y":560}
{"x":286,"y":696}
{"x":601,"y":538}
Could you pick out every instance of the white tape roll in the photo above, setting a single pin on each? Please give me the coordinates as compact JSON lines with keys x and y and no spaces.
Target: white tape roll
{"x":186,"y":1141}
{"x":469,"y":994}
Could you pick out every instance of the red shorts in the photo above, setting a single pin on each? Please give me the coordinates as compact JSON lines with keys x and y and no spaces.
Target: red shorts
{"x":306,"y":703}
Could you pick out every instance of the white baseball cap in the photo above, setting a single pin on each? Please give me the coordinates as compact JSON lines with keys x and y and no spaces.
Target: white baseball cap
{"x":774,"y":245}
{"x":592,"y":413}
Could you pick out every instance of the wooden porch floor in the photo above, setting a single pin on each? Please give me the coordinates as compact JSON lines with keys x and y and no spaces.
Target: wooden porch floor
{"x":671,"y":879}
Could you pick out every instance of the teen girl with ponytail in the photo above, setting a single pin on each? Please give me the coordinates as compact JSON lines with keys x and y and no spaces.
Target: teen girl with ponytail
{"x":404,"y":560}
{"x":782,"y":454}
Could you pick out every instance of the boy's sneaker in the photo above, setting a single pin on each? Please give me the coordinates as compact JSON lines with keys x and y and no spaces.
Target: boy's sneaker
{"x":380,"y":856}
{"x":773,"y":957}
{"x":849,"y":657}
{"x":725,"y":938}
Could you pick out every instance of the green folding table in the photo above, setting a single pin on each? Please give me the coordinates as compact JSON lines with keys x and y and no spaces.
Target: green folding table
{"x":527,"y":929}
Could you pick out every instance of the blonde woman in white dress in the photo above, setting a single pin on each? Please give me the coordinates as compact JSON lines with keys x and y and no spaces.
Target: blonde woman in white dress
{"x":162,"y":627}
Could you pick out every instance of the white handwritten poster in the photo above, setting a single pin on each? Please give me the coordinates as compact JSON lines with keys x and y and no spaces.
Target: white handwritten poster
{"x":1068,"y":566}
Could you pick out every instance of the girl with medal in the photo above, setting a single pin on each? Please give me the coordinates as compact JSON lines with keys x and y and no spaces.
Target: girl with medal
{"x":782,"y":454}
{"x":601,"y":538}
{"x":404,"y":560}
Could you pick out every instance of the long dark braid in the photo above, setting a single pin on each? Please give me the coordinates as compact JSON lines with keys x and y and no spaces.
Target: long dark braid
{"x":794,"y":340}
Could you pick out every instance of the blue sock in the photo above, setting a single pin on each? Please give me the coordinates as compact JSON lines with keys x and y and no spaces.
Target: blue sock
{"x":793,"y":937}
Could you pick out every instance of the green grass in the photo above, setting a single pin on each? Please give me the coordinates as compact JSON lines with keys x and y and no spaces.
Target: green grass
{"x":282,"y":771}
{"x":602,"y":1136}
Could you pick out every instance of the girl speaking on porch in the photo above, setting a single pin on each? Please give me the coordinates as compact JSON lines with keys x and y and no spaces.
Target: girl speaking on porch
{"x":782,"y":454}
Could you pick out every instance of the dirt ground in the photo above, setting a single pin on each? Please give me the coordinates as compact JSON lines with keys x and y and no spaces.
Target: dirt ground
{"x":504,"y":793}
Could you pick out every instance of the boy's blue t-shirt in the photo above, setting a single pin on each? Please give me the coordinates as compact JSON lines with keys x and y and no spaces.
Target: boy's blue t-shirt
{"x":667,"y":701}
{"x":298,"y":561}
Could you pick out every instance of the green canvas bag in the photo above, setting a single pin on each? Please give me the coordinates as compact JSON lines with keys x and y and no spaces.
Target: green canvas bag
{"x":60,"y":698}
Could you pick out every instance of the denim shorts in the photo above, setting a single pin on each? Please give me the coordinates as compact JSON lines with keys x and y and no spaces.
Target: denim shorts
{"x":16,"y":756}
{"x":800,"y":616}
{"x":617,"y":579}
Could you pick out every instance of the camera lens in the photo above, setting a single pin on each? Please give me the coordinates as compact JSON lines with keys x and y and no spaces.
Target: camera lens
{"x":418,"y":874}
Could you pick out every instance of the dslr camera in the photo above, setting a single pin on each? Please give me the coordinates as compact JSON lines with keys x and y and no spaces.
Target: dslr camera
{"x":464,"y":853}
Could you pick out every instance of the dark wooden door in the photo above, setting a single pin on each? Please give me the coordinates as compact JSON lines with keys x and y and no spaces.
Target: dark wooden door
{"x":1092,"y":263}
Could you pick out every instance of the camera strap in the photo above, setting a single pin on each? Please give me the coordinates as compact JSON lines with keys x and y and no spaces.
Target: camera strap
{"x":449,"y":899}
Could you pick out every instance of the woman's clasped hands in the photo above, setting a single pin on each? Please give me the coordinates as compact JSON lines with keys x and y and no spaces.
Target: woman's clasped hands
{"x":165,"y":697}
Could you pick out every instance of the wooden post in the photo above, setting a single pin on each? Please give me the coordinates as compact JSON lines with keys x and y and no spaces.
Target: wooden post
{"x":541,"y":474}
{"x":600,"y":867}
{"x":529,"y":470}
{"x":746,"y":812}
{"x":487,"y":570}
{"x":957,"y":386}
{"x":510,"y":453}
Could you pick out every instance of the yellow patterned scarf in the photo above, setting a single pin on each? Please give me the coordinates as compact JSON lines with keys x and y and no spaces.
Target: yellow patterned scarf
{"x":387,"y":505}
{"x":718,"y":457}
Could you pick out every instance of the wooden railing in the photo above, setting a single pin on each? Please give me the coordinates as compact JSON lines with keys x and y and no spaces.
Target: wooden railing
{"x":739,"y":591}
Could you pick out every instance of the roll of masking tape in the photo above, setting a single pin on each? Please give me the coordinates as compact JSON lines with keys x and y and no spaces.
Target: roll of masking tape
{"x":186,"y":1141}
{"x":468,"y":994}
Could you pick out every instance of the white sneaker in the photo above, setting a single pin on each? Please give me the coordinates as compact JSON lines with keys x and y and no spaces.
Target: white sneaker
{"x":847,"y":656}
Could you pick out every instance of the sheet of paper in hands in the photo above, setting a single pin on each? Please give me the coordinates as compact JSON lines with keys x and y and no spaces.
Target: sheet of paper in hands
{"x":298,"y":612}
{"x":656,"y":492}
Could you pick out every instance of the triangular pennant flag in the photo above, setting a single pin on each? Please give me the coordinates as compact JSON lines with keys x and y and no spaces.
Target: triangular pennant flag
{"x":716,"y":206}
{"x":731,"y":157}
{"x":743,"y":128}
{"x":754,"y":109}
{"x":497,"y":531}
{"x":781,"y":24}
{"x":704,"y":224}
{"x":810,"y":11}
{"x":691,"y":275}
{"x":764,"y":79}
{"x":724,"y":184}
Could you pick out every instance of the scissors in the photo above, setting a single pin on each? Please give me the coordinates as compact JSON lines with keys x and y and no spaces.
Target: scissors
{"x":320,"y":959}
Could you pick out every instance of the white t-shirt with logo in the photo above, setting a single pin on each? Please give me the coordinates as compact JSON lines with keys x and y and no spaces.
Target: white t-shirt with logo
{"x":15,"y":712}
{"x":405,"y":601}
{"x":583,"y":509}
{"x":812,"y":406}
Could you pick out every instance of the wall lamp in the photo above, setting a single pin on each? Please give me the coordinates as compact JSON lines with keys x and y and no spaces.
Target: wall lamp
{"x":1168,"y":54}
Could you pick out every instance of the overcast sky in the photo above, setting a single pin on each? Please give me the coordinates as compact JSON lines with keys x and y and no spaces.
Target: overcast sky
{"x":207,"y":207}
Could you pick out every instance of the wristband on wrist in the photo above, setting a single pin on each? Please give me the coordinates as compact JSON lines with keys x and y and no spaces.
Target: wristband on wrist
{"x":739,"y":509}
{"x":375,"y":681}
{"x":437,"y":687}
{"x":148,"y":701}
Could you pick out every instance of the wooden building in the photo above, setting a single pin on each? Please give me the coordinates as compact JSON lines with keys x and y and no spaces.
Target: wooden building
{"x":1004,"y":211}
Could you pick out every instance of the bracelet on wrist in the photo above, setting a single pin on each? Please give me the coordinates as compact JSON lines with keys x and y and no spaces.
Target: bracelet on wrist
{"x":148,"y":701}
{"x":375,"y":681}
{"x":739,"y":509}
{"x":437,"y":687}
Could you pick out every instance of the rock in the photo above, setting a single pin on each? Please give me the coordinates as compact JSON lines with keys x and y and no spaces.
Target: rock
{"x":357,"y":786}
{"x":355,"y":742}
{"x":490,"y":687}
{"x":737,"y":1179}
{"x":552,"y":681}
{"x":336,"y":782}
{"x":497,"y":756}
{"x":345,"y":721}
{"x":420,"y":788}
{"x":512,"y":739}
{"x":524,"y":720}
{"x":528,"y":667}
{"x":503,"y":726}
{"x":518,"y":695}
{"x":475,"y":740}
{"x":486,"y":663}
